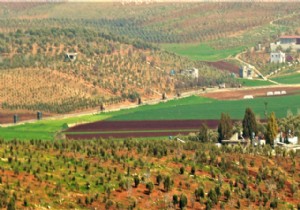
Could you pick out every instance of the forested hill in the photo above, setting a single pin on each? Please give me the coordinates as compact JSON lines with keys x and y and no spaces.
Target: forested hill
{"x":156,"y":22}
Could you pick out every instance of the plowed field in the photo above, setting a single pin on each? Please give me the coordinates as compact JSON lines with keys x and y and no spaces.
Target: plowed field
{"x":148,"y":128}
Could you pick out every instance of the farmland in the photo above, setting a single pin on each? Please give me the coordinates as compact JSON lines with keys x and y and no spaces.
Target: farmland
{"x":123,"y":129}
{"x":254,"y":83}
{"x":190,"y":108}
{"x":202,"y":52}
{"x":121,"y":174}
{"x":288,"y":79}
{"x":205,"y":108}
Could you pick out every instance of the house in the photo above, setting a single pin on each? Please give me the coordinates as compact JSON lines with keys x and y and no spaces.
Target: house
{"x":277,"y":57}
{"x":235,"y":140}
{"x":246,"y":72}
{"x":286,"y":138}
{"x":286,"y":42}
{"x":193,"y":72}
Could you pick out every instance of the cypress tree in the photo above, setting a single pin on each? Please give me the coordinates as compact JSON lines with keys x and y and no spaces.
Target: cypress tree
{"x":225,"y":127}
{"x":249,"y":124}
{"x":272,"y":129}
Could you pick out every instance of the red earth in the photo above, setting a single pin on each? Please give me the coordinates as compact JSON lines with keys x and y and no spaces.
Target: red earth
{"x":234,"y":94}
{"x":147,"y":128}
{"x":223,"y":65}
{"x":8,"y":116}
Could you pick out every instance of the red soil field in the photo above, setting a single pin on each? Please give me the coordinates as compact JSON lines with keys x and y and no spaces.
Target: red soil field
{"x":143,"y":125}
{"x":7,"y":116}
{"x":223,"y":65}
{"x":234,"y":94}
{"x":125,"y":135}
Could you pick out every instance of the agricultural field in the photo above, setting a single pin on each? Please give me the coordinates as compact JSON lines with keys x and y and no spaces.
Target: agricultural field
{"x":195,"y":107}
{"x":202,"y":52}
{"x":288,"y":79}
{"x":190,"y":108}
{"x":125,"y":129}
{"x":254,"y":83}
{"x":148,"y":174}
{"x":225,"y":66}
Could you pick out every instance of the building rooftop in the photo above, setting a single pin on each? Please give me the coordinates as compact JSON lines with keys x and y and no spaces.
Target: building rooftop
{"x":290,"y":37}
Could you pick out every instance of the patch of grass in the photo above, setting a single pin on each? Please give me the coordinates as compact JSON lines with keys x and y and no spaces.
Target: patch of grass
{"x":195,"y":107}
{"x":288,"y":79}
{"x":254,"y":83}
{"x":45,"y":129}
{"x":202,"y":52}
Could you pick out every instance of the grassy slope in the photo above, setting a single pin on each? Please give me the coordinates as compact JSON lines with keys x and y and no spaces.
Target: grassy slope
{"x":202,"y":52}
{"x":45,"y":129}
{"x":193,"y":107}
{"x":254,"y":83}
{"x":200,"y":108}
{"x":288,"y":79}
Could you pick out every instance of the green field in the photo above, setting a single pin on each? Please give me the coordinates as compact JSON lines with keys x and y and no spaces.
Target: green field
{"x":201,"y":52}
{"x":45,"y":129}
{"x":254,"y":83}
{"x":193,"y":107}
{"x":288,"y":79}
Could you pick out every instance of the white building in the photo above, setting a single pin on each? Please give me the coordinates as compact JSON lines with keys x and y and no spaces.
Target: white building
{"x":281,"y":138}
{"x":246,"y":72}
{"x":277,"y":57}
{"x":287,"y":42}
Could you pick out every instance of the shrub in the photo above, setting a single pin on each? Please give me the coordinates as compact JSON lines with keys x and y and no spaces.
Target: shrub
{"x":149,"y":187}
{"x":183,"y":201}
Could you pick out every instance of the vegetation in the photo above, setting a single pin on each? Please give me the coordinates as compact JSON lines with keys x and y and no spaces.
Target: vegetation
{"x":193,"y":107}
{"x":249,"y":124}
{"x":254,"y":83}
{"x":288,"y":79}
{"x":225,"y":127}
{"x":94,"y":173}
{"x":272,"y":129}
{"x":202,"y":52}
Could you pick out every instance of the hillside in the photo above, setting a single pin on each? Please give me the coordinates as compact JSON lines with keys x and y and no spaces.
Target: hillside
{"x":156,"y":22}
{"x":37,"y":75}
{"x":145,"y":174}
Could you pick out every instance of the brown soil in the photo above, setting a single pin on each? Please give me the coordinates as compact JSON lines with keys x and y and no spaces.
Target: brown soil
{"x":7,"y":116}
{"x":119,"y":129}
{"x":233,"y":94}
{"x":223,"y":65}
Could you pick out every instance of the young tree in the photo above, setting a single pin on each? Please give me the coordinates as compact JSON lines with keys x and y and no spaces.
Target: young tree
{"x":167,"y":183}
{"x":183,"y":201}
{"x":203,"y":133}
{"x":272,"y":129}
{"x":199,"y":193}
{"x":175,"y":200}
{"x":159,"y":179}
{"x":149,"y":187}
{"x":225,"y":127}
{"x":136,"y":181}
{"x":249,"y":124}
